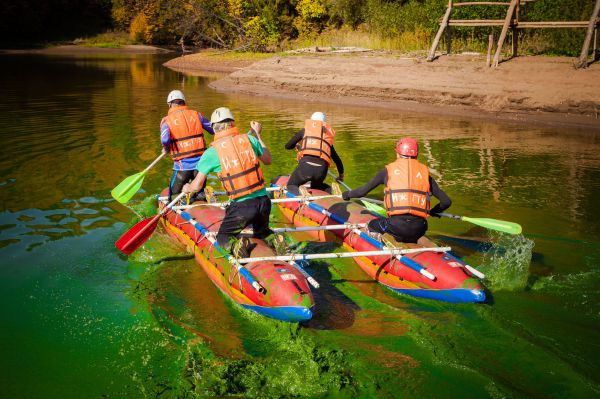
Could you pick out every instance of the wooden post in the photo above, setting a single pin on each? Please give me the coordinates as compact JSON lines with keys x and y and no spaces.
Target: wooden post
{"x":438,"y":36}
{"x":509,"y":17}
{"x":489,"y":53}
{"x":583,"y":62}
{"x":448,"y":40}
{"x":515,"y":41}
{"x":597,"y":45}
{"x":514,"y":32}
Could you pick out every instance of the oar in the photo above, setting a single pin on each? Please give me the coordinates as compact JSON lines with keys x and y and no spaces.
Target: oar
{"x":492,"y":224}
{"x":374,"y":208}
{"x":363,"y":199}
{"x":141,"y":231}
{"x":128,"y":187}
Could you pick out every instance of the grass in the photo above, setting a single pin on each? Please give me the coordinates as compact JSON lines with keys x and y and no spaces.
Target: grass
{"x":345,"y":37}
{"x":237,"y":56}
{"x":111,"y":39}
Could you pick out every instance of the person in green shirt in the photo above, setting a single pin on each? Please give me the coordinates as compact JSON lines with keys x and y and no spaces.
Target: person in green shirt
{"x":235,"y":158}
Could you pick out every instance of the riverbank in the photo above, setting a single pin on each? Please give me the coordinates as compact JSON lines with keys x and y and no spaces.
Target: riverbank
{"x":525,"y":89}
{"x":215,"y":61}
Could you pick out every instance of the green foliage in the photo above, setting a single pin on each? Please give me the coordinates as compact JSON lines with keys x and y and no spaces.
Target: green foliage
{"x":267,"y":25}
{"x":311,"y":19}
{"x":393,"y":18}
{"x":108,"y":39}
{"x":557,"y":41}
{"x":260,"y":33}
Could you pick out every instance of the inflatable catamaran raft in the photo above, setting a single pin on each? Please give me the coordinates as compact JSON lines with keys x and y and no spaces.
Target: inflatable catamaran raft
{"x":276,"y":289}
{"x":421,"y":270}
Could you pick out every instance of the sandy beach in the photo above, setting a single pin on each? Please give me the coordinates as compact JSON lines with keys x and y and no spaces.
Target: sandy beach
{"x":525,"y":89}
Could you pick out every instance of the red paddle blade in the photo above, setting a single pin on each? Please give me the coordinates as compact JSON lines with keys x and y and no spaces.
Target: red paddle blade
{"x":137,"y":235}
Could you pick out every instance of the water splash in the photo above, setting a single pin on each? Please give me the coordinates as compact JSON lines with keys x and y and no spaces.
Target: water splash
{"x":144,"y":208}
{"x":506,"y":264}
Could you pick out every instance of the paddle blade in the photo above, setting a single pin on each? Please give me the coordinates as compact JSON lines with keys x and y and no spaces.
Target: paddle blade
{"x":137,"y":235}
{"x":128,"y":187}
{"x":374,"y":208}
{"x":493,"y":224}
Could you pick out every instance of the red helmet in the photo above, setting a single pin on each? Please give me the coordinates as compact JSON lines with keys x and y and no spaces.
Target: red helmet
{"x":407,"y":147}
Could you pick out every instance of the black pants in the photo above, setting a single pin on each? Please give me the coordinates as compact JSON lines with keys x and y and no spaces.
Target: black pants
{"x":181,"y":177}
{"x":239,"y":215}
{"x":404,"y":228}
{"x":309,"y":169}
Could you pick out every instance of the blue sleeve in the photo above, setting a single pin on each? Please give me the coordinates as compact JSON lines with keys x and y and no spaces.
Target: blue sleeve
{"x":165,"y":135}
{"x":206,"y":124}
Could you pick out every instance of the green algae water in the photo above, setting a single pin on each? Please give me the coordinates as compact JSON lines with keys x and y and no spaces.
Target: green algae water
{"x":80,"y":320}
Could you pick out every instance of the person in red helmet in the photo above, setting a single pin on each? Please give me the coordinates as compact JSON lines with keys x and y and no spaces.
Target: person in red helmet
{"x":408,"y":188}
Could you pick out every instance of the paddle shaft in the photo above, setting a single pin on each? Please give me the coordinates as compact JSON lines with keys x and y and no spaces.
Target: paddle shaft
{"x":162,"y":154}
{"x":449,"y":215}
{"x":375,"y":201}
{"x":492,"y":224}
{"x":142,"y":173}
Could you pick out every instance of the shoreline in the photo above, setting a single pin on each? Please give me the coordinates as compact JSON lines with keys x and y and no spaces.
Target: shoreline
{"x":537,"y":90}
{"x":72,"y":49}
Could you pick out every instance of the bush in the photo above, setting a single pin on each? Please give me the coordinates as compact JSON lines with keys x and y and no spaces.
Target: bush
{"x":392,"y":24}
{"x":140,"y":30}
{"x":311,"y":19}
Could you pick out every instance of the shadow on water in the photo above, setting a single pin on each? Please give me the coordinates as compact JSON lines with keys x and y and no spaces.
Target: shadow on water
{"x":334,"y":309}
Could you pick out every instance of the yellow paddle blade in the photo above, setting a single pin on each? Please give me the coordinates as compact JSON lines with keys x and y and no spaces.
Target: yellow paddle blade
{"x":128,"y":187}
{"x":493,"y":224}
{"x":374,"y":208}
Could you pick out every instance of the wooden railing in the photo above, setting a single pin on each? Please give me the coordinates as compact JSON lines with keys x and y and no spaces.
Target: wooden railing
{"x":513,"y":23}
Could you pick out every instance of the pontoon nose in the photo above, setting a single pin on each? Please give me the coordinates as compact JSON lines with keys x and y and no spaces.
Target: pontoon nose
{"x":291,"y":314}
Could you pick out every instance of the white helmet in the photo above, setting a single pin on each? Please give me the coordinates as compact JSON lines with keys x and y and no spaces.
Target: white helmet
{"x":221,"y":114}
{"x":318,"y":116}
{"x":175,"y":95}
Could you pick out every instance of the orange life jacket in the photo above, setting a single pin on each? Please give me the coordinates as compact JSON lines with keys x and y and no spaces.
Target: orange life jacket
{"x":241,"y":173}
{"x":187,"y":138}
{"x":407,"y":189}
{"x":317,"y":140}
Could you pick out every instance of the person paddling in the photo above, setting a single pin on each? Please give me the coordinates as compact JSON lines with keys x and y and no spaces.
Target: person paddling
{"x":235,"y":157}
{"x":408,"y":188}
{"x":315,"y":153}
{"x":181,"y":135}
